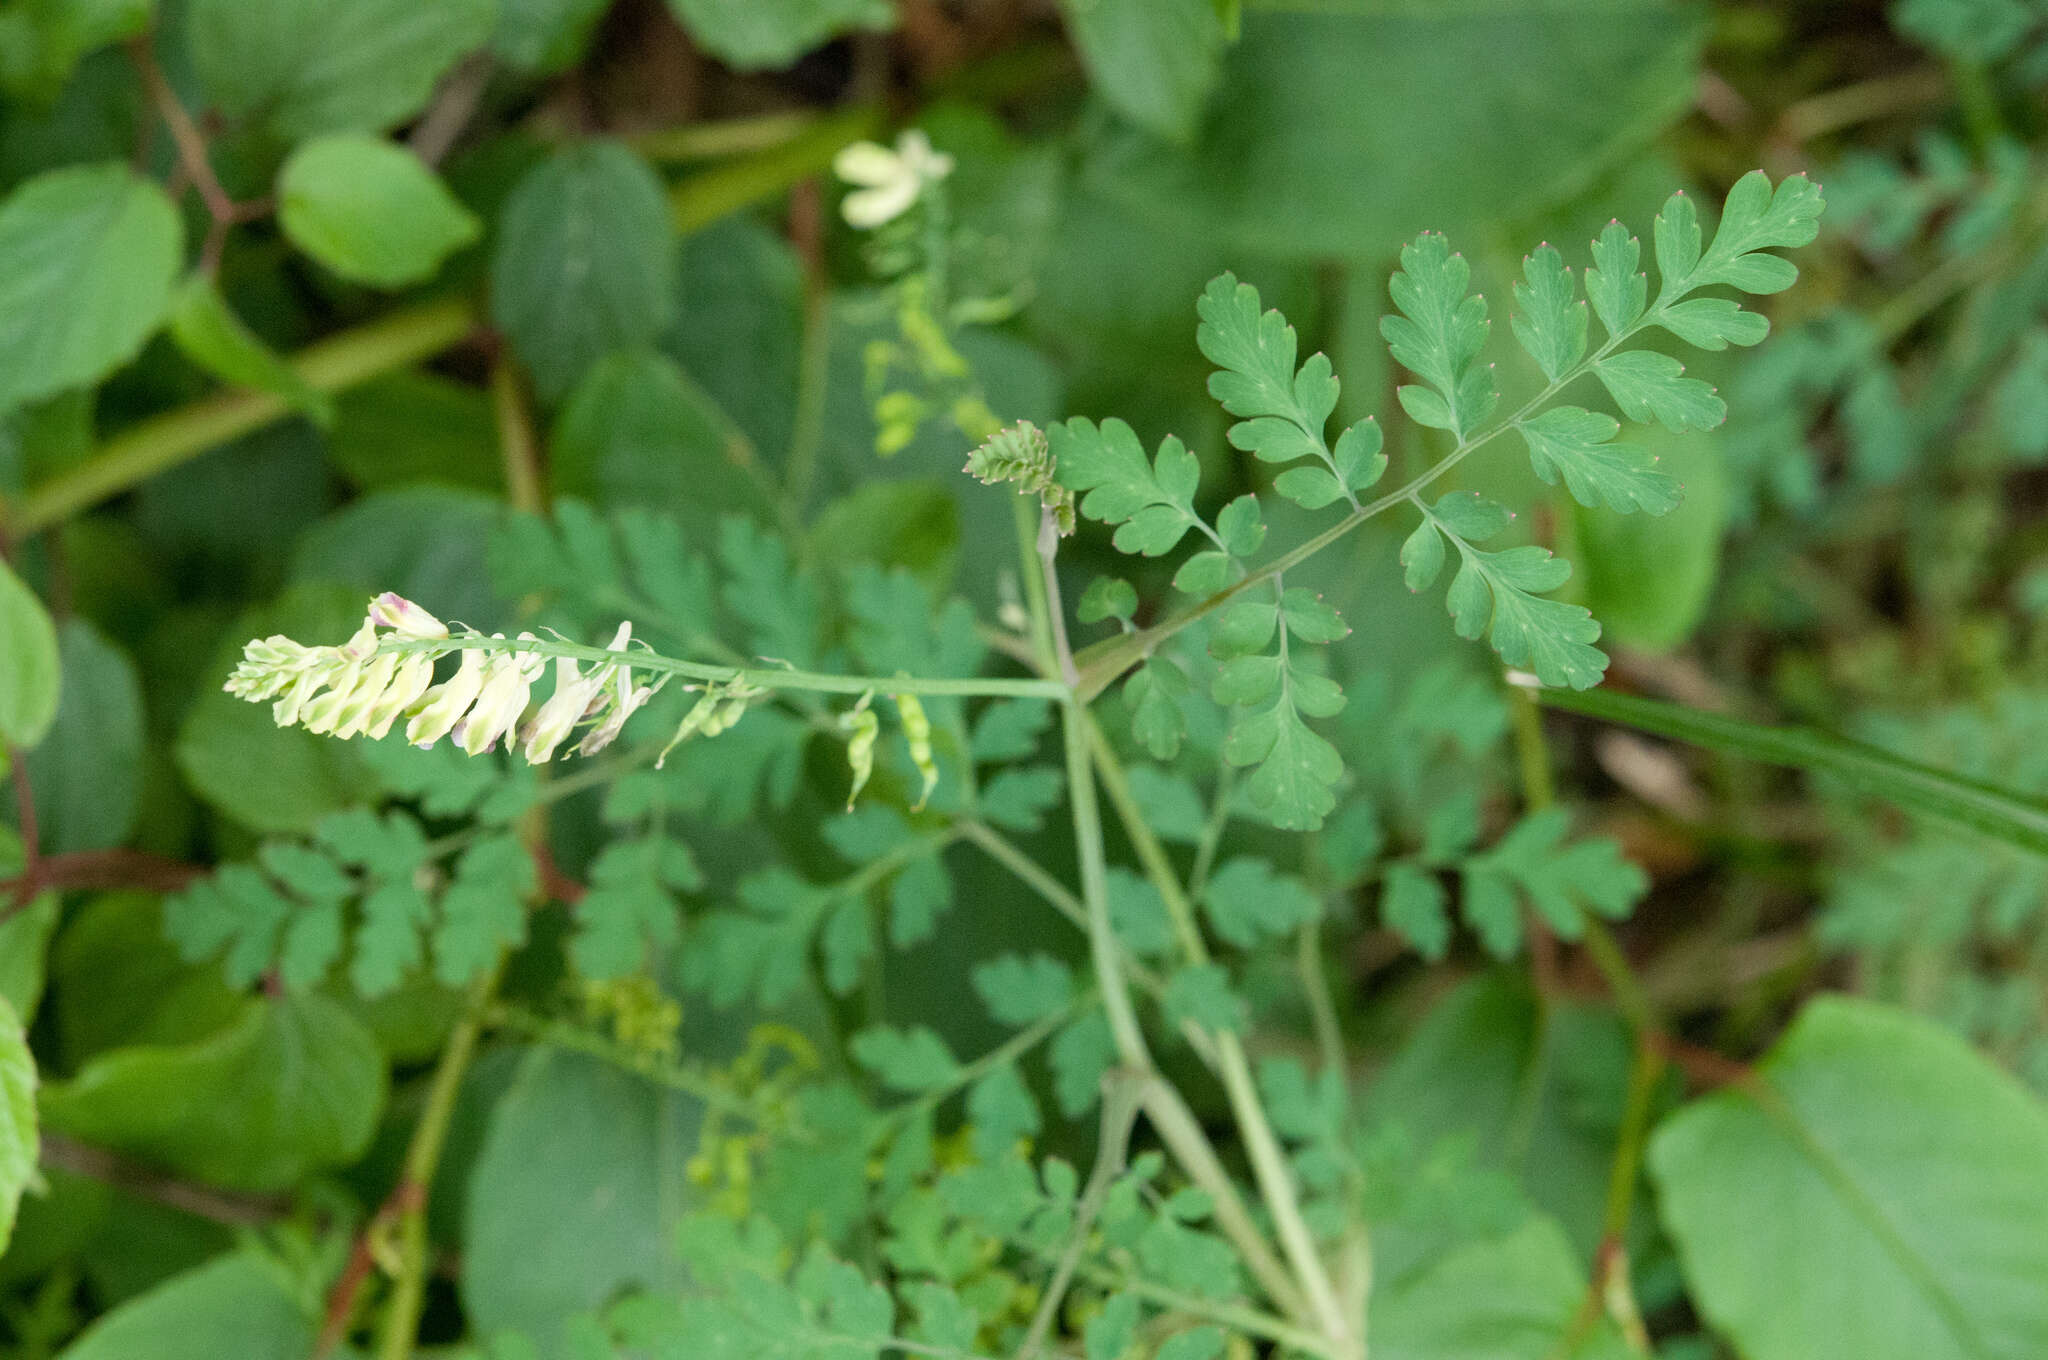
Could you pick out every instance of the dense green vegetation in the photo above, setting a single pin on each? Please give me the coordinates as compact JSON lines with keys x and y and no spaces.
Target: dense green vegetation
{"x":1125,"y":680}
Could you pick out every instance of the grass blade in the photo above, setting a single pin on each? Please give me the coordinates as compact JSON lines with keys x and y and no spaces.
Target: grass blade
{"x":2003,"y":814}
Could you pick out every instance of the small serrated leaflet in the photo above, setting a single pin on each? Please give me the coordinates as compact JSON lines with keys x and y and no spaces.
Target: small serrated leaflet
{"x":1649,"y":386}
{"x":1577,"y":445}
{"x":1550,"y":321}
{"x":1614,"y":285}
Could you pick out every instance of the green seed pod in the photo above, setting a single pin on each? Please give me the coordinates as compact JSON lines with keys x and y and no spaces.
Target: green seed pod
{"x":864,"y":726}
{"x":917,"y":731}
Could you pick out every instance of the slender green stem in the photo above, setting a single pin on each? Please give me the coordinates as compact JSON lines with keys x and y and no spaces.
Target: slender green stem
{"x":1644,"y":1073}
{"x":1151,"y":854}
{"x":1532,"y":754}
{"x":1269,"y":1162}
{"x":1004,"y":852}
{"x":751,"y":134}
{"x":1102,"y":945}
{"x":518,"y":446}
{"x":1121,"y":1095}
{"x":1184,"y":1136}
{"x":1250,"y":1321}
{"x":814,"y":371}
{"x":1175,"y":1123}
{"x":1212,"y":831}
{"x":1024,"y":513}
{"x":1610,"y":1286}
{"x":162,"y":442}
{"x":1322,"y":1008}
{"x":1276,"y":1187}
{"x":1011,"y":1049}
{"x":1630,"y":996}
{"x":416,"y":1180}
{"x":703,"y":198}
{"x":761,"y":677}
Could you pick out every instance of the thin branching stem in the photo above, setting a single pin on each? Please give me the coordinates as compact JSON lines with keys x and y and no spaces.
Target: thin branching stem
{"x":1269,"y":1161}
{"x":1102,"y":665}
{"x":401,"y":1320}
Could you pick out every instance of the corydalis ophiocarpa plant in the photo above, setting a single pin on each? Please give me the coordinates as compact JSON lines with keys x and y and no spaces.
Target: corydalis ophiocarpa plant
{"x":1313,"y":1266}
{"x":385,"y":672}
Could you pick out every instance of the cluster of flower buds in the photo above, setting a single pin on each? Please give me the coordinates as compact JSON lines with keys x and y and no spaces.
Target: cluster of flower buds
{"x":363,"y":687}
{"x":722,"y":704}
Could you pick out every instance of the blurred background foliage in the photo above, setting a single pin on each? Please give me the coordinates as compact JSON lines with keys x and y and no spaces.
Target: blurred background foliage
{"x":298,"y":296}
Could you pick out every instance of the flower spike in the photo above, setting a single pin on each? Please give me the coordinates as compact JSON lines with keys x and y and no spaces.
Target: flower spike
{"x":385,"y":673}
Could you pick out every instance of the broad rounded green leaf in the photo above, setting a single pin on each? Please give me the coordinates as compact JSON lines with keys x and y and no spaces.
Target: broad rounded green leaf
{"x":294,"y":1086}
{"x":24,"y":939}
{"x":236,"y":1306}
{"x":87,"y":773}
{"x":765,"y":33}
{"x":575,"y":1196}
{"x":1877,"y":1192}
{"x":116,"y":982}
{"x":1514,"y":1297}
{"x":18,"y":1143}
{"x":42,"y":42}
{"x":220,"y":342}
{"x":29,"y":665}
{"x":236,"y":759}
{"x":1153,"y":61}
{"x":637,"y":432}
{"x":416,"y":426}
{"x":1648,"y":580}
{"x":314,"y":66}
{"x":1344,"y":128}
{"x":370,"y":210}
{"x":545,"y":36}
{"x":1529,"y":1088}
{"x":87,"y":257}
{"x":585,"y":263}
{"x":426,"y":542}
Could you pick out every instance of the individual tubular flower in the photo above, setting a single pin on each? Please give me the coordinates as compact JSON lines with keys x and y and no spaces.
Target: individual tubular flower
{"x":616,"y":699}
{"x":890,"y":181}
{"x":551,"y":724}
{"x":603,"y":695}
{"x":507,"y":689}
{"x":444,"y":704}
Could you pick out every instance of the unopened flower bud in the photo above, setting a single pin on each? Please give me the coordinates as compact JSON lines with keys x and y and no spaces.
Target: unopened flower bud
{"x":405,"y":618}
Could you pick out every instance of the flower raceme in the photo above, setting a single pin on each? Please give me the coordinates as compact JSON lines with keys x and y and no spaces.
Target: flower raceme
{"x":365,"y":685}
{"x":385,"y":672}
